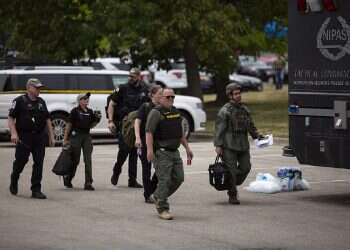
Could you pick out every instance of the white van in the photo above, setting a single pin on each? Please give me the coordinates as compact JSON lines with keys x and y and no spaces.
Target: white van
{"x":62,"y":86}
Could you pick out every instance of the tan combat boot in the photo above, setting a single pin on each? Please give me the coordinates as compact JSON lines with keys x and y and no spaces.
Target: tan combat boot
{"x":165,"y":215}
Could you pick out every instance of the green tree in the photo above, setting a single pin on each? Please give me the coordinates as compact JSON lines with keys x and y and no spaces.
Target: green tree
{"x":51,"y":30}
{"x":208,"y":34}
{"x":203,"y":32}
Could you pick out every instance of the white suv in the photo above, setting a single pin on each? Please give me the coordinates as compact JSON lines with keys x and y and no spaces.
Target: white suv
{"x":62,"y":87}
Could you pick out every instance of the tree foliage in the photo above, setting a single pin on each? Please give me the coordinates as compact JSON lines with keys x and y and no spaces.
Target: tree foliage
{"x":208,"y":34}
{"x":59,"y":30}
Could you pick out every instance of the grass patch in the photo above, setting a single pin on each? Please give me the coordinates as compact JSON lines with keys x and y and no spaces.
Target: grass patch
{"x":268,"y":109}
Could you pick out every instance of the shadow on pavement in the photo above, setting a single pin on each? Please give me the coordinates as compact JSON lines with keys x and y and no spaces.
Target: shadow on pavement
{"x":336,"y":199}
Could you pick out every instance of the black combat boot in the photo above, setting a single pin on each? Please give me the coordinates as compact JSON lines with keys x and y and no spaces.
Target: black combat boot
{"x":14,"y":187}
{"x":89,"y":187}
{"x":232,"y":193}
{"x":114,"y":179}
{"x":67,"y":182}
{"x":134,"y":184}
{"x":233,"y":199}
{"x":149,"y":200}
{"x":38,"y":195}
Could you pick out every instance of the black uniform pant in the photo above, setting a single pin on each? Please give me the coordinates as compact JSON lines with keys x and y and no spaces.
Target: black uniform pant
{"x":149,"y":185}
{"x":123,"y":153}
{"x":30,"y":143}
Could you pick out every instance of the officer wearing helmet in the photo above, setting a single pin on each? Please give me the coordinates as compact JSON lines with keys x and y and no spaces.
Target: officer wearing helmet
{"x":233,"y":123}
{"x":127,"y":98}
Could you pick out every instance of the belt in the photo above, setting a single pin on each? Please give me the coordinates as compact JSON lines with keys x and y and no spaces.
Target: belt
{"x":168,"y":149}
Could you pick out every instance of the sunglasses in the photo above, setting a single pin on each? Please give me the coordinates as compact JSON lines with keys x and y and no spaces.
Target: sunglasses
{"x":170,"y":97}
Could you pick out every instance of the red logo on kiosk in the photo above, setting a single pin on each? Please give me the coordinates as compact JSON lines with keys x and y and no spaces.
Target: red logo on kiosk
{"x":306,"y":6}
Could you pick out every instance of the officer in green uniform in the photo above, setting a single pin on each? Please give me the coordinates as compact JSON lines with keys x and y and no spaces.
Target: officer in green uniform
{"x":233,"y":123}
{"x":81,"y":120}
{"x":162,"y":149}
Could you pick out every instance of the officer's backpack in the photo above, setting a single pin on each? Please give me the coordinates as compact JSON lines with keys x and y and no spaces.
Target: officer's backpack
{"x":219,"y":176}
{"x":128,"y":122}
{"x":128,"y":131}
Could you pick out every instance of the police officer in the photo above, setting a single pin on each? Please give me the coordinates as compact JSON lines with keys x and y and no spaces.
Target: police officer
{"x":127,"y":98}
{"x":233,"y":123}
{"x":81,"y":120}
{"x":162,"y":147}
{"x":29,"y":121}
{"x":149,"y":185}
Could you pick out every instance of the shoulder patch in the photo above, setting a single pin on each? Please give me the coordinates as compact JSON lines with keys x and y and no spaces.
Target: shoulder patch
{"x":40,"y":106}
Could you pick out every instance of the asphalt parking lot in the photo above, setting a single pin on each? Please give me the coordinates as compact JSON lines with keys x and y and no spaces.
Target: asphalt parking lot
{"x":117,"y":217}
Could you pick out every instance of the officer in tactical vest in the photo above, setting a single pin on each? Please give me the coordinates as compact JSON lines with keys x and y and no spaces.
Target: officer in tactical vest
{"x":81,"y":120}
{"x":162,"y":148}
{"x":129,"y":97}
{"x":233,"y":123}
{"x":149,"y":185}
{"x":29,"y":121}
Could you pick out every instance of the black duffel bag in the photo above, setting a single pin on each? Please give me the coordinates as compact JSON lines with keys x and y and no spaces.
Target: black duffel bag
{"x":219,"y":176}
{"x":63,"y":163}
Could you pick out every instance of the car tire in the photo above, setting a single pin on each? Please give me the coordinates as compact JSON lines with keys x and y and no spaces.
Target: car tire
{"x":186,"y":124}
{"x":59,"y":122}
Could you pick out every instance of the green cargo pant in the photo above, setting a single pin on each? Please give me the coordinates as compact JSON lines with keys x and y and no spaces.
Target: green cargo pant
{"x":238,"y":163}
{"x":169,"y":170}
{"x":78,"y":142}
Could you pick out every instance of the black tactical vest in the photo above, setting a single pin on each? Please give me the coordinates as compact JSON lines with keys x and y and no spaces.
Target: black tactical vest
{"x":134,"y":97}
{"x":33,"y":119}
{"x":169,"y":126}
{"x":82,"y":120}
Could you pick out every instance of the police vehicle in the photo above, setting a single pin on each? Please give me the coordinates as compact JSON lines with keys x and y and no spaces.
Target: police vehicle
{"x":63,"y":85}
{"x":319,"y":86}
